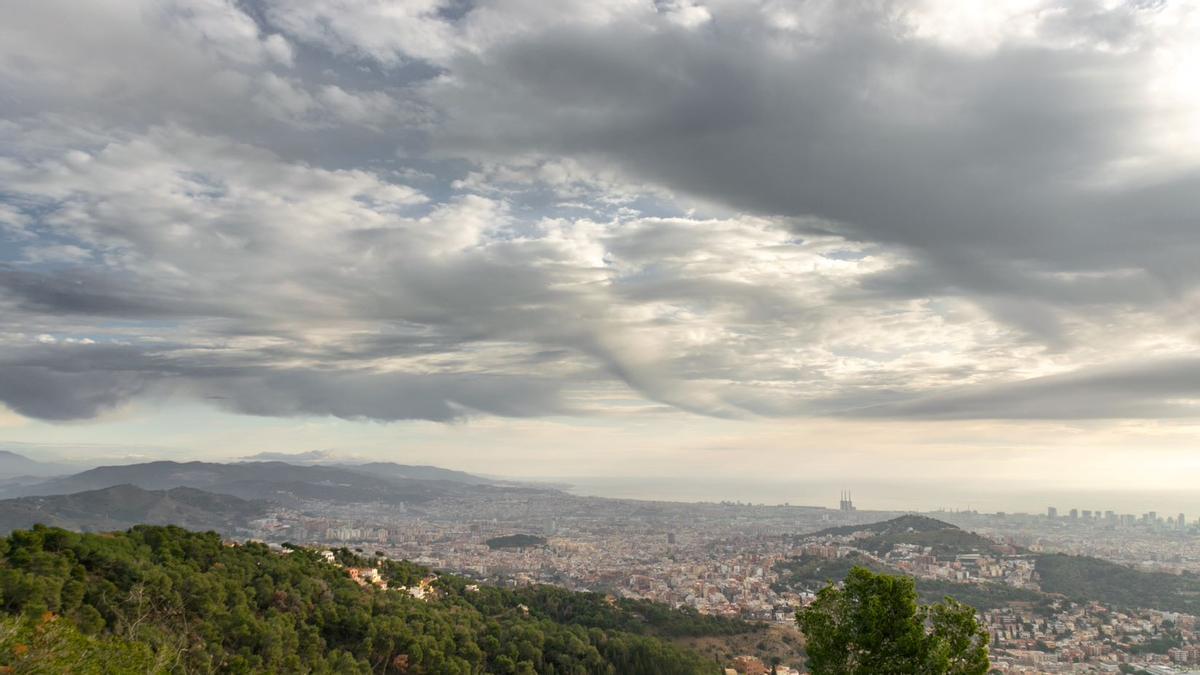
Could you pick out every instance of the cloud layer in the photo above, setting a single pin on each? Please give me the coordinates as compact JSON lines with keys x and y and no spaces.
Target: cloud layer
{"x":438,"y":210}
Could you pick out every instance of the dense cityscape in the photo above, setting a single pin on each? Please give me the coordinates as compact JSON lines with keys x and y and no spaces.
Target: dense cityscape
{"x":1073,"y":592}
{"x":1149,"y":541}
{"x":729,"y":559}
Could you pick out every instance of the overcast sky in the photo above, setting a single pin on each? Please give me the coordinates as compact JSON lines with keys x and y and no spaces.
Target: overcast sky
{"x":798,"y":239}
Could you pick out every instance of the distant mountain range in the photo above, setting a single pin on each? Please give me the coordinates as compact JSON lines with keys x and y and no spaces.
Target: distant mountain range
{"x":276,"y":481}
{"x":385,"y":469}
{"x":308,"y":457}
{"x":122,"y":506}
{"x":420,"y":472}
{"x":14,"y":465}
{"x":211,"y":495}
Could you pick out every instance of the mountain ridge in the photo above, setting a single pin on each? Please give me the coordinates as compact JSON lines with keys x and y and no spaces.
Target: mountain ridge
{"x":280,"y":481}
{"x":16,"y":465}
{"x":122,"y":506}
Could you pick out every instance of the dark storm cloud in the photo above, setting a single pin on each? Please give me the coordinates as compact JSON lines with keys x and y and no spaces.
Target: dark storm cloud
{"x":1161,"y":388}
{"x":67,"y":383}
{"x":980,"y":164}
{"x":387,"y":396}
{"x":55,"y":395}
{"x":74,"y":290}
{"x":80,"y":381}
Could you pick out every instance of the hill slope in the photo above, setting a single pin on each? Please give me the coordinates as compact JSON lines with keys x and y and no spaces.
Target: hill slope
{"x":942,"y":537}
{"x":1083,"y":578}
{"x":805,"y":573}
{"x":204,"y":607}
{"x":417,"y":472}
{"x":122,"y":506}
{"x":810,"y":573}
{"x":1078,"y":578}
{"x":905,"y":524}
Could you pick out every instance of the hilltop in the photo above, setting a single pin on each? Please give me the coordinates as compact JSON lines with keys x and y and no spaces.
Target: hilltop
{"x":872,"y":542}
{"x":942,"y":537}
{"x":907,"y":523}
{"x":418,"y":472}
{"x":1080,"y":579}
{"x":515,"y":541}
{"x":123,"y":506}
{"x":384,"y":469}
{"x":273,"y":480}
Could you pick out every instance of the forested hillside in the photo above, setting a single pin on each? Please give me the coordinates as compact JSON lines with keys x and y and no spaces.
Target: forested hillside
{"x":123,"y":506}
{"x":943,"y":538}
{"x":164,"y":599}
{"x":809,"y":573}
{"x":1084,"y":578}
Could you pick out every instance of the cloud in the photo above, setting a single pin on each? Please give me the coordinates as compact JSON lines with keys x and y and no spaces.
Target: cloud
{"x":294,"y":457}
{"x":376,"y":294}
{"x":208,"y":65}
{"x":1162,"y":388}
{"x":77,"y":381}
{"x":440,"y":210}
{"x":1026,"y":171}
{"x":387,"y":32}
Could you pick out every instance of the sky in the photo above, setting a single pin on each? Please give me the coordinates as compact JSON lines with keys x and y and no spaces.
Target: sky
{"x":818,"y":242}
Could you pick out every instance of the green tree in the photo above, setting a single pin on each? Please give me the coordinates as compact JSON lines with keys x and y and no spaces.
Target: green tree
{"x":873,"y":624}
{"x":162,"y":599}
{"x":958,"y":644}
{"x":47,"y":645}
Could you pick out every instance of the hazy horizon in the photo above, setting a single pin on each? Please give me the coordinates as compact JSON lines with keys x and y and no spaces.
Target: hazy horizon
{"x":928,"y":497}
{"x":869,"y":495}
